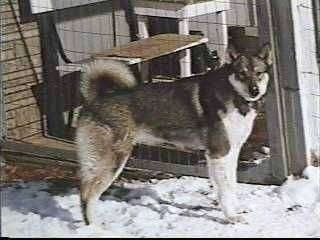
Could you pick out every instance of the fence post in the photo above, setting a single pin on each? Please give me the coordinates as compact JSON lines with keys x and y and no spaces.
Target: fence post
{"x":53,"y":95}
{"x":286,"y":112}
{"x":274,"y":107}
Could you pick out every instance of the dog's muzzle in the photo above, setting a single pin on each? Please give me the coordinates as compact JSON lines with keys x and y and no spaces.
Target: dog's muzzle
{"x":254,"y":91}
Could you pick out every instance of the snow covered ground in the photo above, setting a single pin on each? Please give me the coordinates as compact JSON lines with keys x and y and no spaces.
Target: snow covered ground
{"x":183,"y":207}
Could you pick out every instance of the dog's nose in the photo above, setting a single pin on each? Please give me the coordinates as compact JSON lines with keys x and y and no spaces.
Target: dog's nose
{"x":254,"y":91}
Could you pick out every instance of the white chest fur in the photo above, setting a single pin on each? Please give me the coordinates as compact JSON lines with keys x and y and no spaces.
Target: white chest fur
{"x":238,"y":126}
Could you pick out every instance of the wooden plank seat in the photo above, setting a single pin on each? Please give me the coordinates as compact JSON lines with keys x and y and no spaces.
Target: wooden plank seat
{"x":141,"y":51}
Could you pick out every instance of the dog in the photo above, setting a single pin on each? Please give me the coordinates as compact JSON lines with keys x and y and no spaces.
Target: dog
{"x":214,"y":112}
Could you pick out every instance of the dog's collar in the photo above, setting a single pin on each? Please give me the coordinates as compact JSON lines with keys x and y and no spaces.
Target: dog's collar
{"x":244,"y":106}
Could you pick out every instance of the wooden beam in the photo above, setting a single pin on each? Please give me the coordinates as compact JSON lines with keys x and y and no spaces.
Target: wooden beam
{"x":52,"y":95}
{"x":18,"y":152}
{"x":223,"y":35}
{"x":179,"y":9}
{"x":202,"y":8}
{"x":143,"y":26}
{"x":274,"y":105}
{"x":43,"y":6}
{"x":144,"y":33}
{"x":286,"y":120}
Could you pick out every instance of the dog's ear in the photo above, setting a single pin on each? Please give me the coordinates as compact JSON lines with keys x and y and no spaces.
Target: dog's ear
{"x":232,"y":52}
{"x":265,"y":54}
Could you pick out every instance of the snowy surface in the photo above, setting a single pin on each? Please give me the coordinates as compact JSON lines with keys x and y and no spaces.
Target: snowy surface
{"x":184,"y":207}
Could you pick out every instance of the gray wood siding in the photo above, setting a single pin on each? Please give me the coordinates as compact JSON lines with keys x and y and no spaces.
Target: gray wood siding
{"x":210,"y":25}
{"x":238,"y":15}
{"x":242,"y":13}
{"x":90,"y":30}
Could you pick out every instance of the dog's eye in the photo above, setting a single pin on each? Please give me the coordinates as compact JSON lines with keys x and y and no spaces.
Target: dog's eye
{"x":241,"y":76}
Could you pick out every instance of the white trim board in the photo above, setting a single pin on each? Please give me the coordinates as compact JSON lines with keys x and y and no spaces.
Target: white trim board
{"x":178,"y":10}
{"x":41,"y":6}
{"x":305,"y":54}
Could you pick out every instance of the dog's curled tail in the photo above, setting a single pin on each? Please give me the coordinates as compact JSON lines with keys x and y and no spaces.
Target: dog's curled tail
{"x":103,"y":76}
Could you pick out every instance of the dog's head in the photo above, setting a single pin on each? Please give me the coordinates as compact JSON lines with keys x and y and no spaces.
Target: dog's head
{"x":250,"y":78}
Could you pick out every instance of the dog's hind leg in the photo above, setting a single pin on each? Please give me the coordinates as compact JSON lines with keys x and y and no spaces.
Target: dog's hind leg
{"x":100,"y":164}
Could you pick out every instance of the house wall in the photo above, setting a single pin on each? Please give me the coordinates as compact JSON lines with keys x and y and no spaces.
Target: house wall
{"x":86,"y":30}
{"x":21,"y":62}
{"x":308,"y":73}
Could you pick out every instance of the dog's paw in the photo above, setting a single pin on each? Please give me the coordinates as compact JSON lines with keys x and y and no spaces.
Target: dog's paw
{"x":236,"y":219}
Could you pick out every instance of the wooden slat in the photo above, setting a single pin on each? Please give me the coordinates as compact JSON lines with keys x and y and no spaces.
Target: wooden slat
{"x":40,"y":151}
{"x":153,"y":47}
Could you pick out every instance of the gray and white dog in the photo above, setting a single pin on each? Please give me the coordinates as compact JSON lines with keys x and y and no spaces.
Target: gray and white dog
{"x":214,"y":112}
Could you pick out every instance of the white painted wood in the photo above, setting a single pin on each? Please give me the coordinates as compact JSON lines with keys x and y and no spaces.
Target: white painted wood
{"x":39,"y":6}
{"x":153,"y":12}
{"x":185,"y":56}
{"x":203,"y":8}
{"x":223,"y":35}
{"x":143,"y":26}
{"x":178,"y":10}
{"x":143,"y":33}
{"x":308,"y":72}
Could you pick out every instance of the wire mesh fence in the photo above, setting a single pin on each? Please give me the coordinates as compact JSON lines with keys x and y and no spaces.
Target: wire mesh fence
{"x":47,"y":100}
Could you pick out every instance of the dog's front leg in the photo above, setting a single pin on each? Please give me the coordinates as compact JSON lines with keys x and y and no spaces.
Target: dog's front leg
{"x":222,"y":170}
